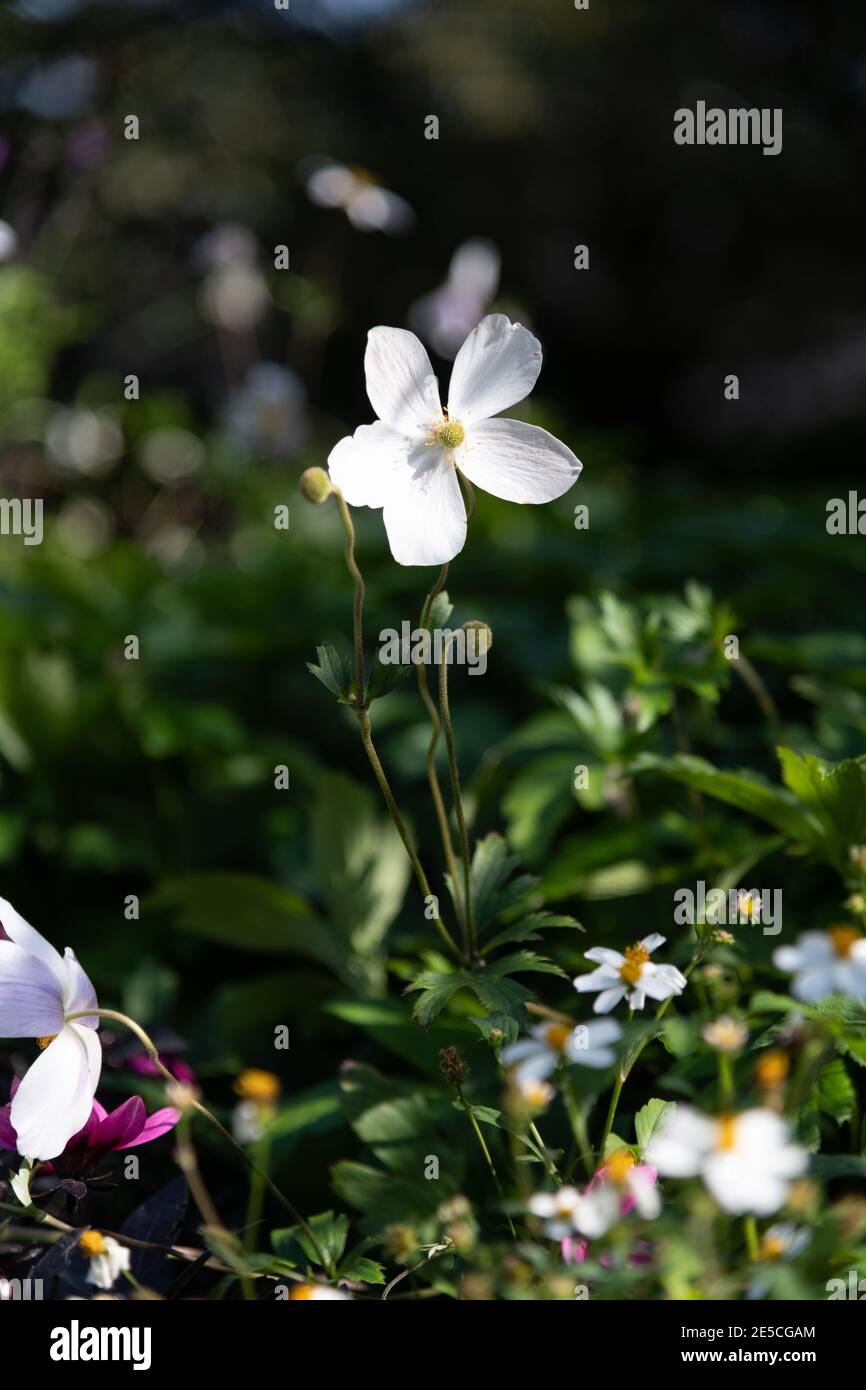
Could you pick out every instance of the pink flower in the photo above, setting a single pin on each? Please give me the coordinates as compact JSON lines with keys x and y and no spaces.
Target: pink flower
{"x":615,"y":1190}
{"x":124,"y":1128}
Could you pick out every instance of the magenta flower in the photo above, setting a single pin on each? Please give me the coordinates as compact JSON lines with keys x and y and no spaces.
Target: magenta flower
{"x":124,"y":1128}
{"x":145,"y":1066}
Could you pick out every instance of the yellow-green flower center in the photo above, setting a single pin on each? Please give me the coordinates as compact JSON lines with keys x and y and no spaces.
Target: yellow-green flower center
{"x":450,"y":434}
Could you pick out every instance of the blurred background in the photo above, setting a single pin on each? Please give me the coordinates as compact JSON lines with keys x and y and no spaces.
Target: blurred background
{"x":154,"y":257}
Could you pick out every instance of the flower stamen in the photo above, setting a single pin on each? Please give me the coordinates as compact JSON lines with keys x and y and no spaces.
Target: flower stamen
{"x":636,"y":958}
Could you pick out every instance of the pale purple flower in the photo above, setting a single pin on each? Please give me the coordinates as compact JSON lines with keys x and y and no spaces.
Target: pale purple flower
{"x":39,"y":990}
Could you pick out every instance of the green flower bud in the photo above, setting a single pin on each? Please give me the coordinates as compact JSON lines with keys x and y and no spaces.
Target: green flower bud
{"x":315,"y":485}
{"x":483,"y":638}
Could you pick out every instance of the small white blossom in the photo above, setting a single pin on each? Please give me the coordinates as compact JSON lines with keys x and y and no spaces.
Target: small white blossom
{"x":632,"y":975}
{"x":747,"y":1161}
{"x":826,"y":962}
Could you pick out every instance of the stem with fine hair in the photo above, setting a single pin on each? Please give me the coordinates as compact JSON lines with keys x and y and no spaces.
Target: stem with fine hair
{"x":195,"y":1104}
{"x":484,"y":1149}
{"x":363,"y":716}
{"x":445,"y":714}
{"x":432,"y":774}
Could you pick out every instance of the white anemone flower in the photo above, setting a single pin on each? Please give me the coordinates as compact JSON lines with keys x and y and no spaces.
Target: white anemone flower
{"x":39,"y":990}
{"x":445,"y":316}
{"x":368,"y":206}
{"x":631,"y":974}
{"x":826,"y":962}
{"x":557,"y":1210}
{"x":548,"y":1044}
{"x":746,"y":1161}
{"x":408,"y":461}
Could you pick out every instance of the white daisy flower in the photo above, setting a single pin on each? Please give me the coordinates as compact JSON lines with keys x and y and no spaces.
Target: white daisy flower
{"x":108,"y":1258}
{"x":557,"y":1210}
{"x":368,"y":206}
{"x":826,"y":962}
{"x":408,"y":461}
{"x":631,"y":975}
{"x":746,"y":1161}
{"x":588,"y":1045}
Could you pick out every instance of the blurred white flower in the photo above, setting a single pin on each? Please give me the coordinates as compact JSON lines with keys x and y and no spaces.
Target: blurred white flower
{"x":826,"y":962}
{"x":747,"y":1161}
{"x":84,"y":441}
{"x":445,"y":317}
{"x":408,"y":461}
{"x":234,"y":295}
{"x":368,"y":206}
{"x":632,"y":974}
{"x":171,"y":455}
{"x":8,"y":241}
{"x":269,"y":412}
{"x":548,"y":1044}
{"x":557,"y":1210}
{"x":323,"y":1293}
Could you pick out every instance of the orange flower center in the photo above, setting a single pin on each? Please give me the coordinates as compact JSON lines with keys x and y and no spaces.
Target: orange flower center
{"x":92,"y":1243}
{"x":43,"y":1042}
{"x":843,"y":939}
{"x":619,"y":1165}
{"x":772,"y":1069}
{"x":260,"y":1086}
{"x":301,"y":1291}
{"x":557,"y":1035}
{"x":636,"y":958}
{"x":727,"y":1133}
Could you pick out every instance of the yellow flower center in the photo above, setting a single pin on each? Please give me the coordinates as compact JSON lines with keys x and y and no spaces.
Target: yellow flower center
{"x":619,"y":1165}
{"x":727,"y":1133}
{"x":772,"y":1247}
{"x":43,"y":1042}
{"x":301,"y":1292}
{"x":557,"y":1035}
{"x":450,"y":434}
{"x":772,"y":1069}
{"x":92,"y":1243}
{"x":260,"y":1086}
{"x":636,"y":958}
{"x":843,"y":939}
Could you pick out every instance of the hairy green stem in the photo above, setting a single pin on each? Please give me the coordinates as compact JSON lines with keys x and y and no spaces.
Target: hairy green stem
{"x":484,"y":1149}
{"x":445,"y":714}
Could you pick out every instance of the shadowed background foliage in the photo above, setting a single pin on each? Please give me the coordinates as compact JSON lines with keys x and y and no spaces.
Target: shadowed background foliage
{"x":155,"y":257}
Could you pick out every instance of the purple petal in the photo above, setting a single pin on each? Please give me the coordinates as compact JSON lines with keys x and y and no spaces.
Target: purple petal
{"x":120,"y":1129}
{"x":31,"y":1003}
{"x":8,"y":1137}
{"x":156,"y":1125}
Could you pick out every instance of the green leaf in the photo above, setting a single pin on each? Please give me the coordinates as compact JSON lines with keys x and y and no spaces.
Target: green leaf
{"x":330,"y":1232}
{"x":359,"y":860}
{"x":651,"y":1119}
{"x":440,"y":610}
{"x":492,"y":885}
{"x":362,"y":1270}
{"x":745,"y":790}
{"x":246,"y":912}
{"x":334,"y":672}
{"x":834,"y":1092}
{"x":529,"y":929}
{"x":435,"y":990}
{"x":384,"y":678}
{"x":499,"y":1029}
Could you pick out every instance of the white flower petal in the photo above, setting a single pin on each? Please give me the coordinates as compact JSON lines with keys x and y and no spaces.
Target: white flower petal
{"x":31,"y":999}
{"x":79,"y":993}
{"x":425,"y":516}
{"x":400,"y":382}
{"x":536,"y":1068}
{"x":518,"y":462}
{"x":608,"y":999}
{"x":363,"y":465}
{"x":653,"y":941}
{"x":605,"y":956}
{"x":496,"y":367}
{"x":55,"y":1098}
{"x":29,"y":938}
